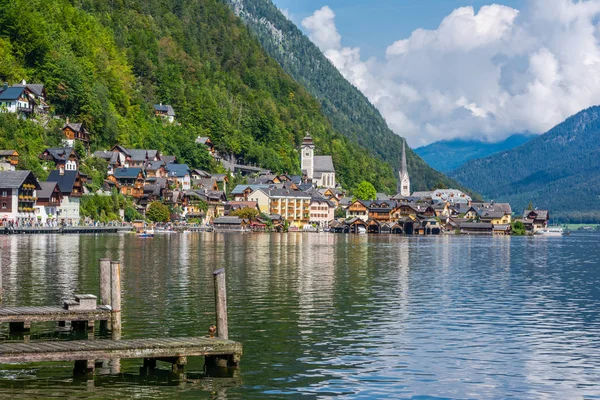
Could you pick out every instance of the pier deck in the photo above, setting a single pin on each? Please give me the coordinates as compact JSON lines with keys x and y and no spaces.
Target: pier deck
{"x":50,"y":313}
{"x":166,"y":349}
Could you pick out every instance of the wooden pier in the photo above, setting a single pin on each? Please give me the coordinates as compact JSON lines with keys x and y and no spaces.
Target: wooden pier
{"x":85,"y":352}
{"x":63,"y":230}
{"x":82,"y":311}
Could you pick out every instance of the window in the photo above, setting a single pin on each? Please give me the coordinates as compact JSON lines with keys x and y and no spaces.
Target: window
{"x":4,"y":193}
{"x":4,"y":205}
{"x":307,"y":154}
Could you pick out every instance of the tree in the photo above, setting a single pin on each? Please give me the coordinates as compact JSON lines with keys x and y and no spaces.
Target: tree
{"x":530,"y":206}
{"x":339,"y":213}
{"x":440,"y":185}
{"x":158,"y":212}
{"x":245,"y":213}
{"x":518,"y":229}
{"x":365,"y":191}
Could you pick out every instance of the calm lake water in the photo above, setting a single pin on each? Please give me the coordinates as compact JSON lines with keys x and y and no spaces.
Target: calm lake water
{"x":323,"y":314}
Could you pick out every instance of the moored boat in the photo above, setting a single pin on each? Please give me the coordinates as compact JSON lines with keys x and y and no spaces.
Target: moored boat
{"x":551,"y":231}
{"x":147,"y":233}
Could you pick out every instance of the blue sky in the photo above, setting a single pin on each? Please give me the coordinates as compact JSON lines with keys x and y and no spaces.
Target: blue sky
{"x":373,"y":25}
{"x":477,"y":69}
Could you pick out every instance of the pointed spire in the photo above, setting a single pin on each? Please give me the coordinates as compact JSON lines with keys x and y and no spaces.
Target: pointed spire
{"x":404,"y":170}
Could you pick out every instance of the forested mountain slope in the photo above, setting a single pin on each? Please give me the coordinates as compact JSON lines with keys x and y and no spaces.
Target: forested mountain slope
{"x":559,"y":171}
{"x":106,"y":62}
{"x":349,"y":110}
{"x":447,"y":155}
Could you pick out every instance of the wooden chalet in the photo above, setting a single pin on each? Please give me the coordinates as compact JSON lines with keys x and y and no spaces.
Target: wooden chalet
{"x":75,"y":131}
{"x":130,"y":181}
{"x":10,"y":158}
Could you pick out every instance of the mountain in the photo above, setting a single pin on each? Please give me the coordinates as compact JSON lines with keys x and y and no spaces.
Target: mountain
{"x":558,"y":171}
{"x":349,"y":110}
{"x":447,"y":155}
{"x":105,"y":63}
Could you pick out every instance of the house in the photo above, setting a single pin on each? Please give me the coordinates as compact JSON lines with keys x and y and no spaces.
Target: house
{"x":319,"y":170}
{"x":16,"y":100}
{"x":199,"y":174}
{"x":113,"y":158}
{"x":164,"y":111}
{"x":205,"y":140}
{"x":49,"y":199}
{"x":169,"y":159}
{"x":70,"y":185}
{"x":137,"y":158}
{"x":380,"y":211}
{"x":37,"y":92}
{"x":229,"y":224}
{"x":129,"y":180}
{"x":179,"y":174}
{"x":476,"y":228}
{"x":242,"y":192}
{"x":75,"y":131}
{"x":9,"y":159}
{"x":64,"y":158}
{"x":358,"y":209}
{"x":321,"y":211}
{"x":155,"y":169}
{"x":17,"y":197}
{"x":537,"y":218}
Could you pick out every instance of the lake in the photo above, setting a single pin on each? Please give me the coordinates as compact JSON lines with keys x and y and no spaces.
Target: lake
{"x":320,"y":315}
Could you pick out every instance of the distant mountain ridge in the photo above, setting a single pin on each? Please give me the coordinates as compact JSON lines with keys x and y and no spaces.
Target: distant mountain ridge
{"x":349,"y":110}
{"x":558,"y":171}
{"x":447,"y":155}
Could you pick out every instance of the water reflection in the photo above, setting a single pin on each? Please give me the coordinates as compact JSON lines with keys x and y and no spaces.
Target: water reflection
{"x":321,"y":314}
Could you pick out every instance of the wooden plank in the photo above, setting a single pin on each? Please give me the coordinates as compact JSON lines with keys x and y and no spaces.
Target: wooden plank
{"x":46,"y":313}
{"x":132,"y":348}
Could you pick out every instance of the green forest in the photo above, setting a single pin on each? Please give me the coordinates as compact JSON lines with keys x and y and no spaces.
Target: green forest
{"x":349,"y":110}
{"x":105,"y":63}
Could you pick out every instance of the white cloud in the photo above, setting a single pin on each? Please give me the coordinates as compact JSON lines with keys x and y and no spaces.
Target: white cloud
{"x":484,"y":74}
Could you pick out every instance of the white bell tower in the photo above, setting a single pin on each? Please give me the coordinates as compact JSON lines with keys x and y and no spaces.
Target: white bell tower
{"x":404,"y":179}
{"x":307,"y":158}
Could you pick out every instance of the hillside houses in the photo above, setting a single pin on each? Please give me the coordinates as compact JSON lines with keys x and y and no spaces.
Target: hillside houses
{"x":23,"y":99}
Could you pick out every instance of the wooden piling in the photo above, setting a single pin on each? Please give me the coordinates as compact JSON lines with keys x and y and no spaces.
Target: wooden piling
{"x":221,"y":303}
{"x":115,"y":302}
{"x":0,"y":283}
{"x":105,"y":281}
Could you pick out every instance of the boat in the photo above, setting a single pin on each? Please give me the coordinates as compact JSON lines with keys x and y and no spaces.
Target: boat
{"x":146,"y":233}
{"x":551,"y":231}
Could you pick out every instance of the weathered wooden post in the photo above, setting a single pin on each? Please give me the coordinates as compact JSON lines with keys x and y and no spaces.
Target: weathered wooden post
{"x":115,"y":303}
{"x":221,"y":303}
{"x":105,"y":288}
{"x":0,"y":284}
{"x":115,"y":299}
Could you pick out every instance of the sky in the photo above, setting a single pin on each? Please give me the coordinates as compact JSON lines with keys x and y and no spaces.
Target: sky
{"x":472,"y":69}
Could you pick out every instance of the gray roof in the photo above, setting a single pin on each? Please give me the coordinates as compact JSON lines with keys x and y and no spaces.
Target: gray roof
{"x":66,"y":181}
{"x":239,"y":189}
{"x":286,"y":193}
{"x":541,"y":214}
{"x":228,"y":221}
{"x":36,"y":88}
{"x":12,"y":93}
{"x":202,"y":139}
{"x":166,"y":108}
{"x":137,"y":154}
{"x":13,"y":179}
{"x":492,"y":214}
{"x":74,"y":126}
{"x":476,"y":225}
{"x":168,"y":159}
{"x":47,"y":188}
{"x":178,"y":170}
{"x":323,"y":164}
{"x":6,"y":152}
{"x":126,"y":172}
{"x":60,"y":153}
{"x":154,"y":165}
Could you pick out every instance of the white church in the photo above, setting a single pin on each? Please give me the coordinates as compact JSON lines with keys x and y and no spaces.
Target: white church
{"x":317,"y":169}
{"x":403,"y":178}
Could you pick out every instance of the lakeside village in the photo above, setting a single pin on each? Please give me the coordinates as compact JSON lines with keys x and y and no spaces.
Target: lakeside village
{"x":161,"y":189}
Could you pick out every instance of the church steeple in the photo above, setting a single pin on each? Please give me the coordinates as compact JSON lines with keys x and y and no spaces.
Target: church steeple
{"x":307,"y":162}
{"x":403,"y":178}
